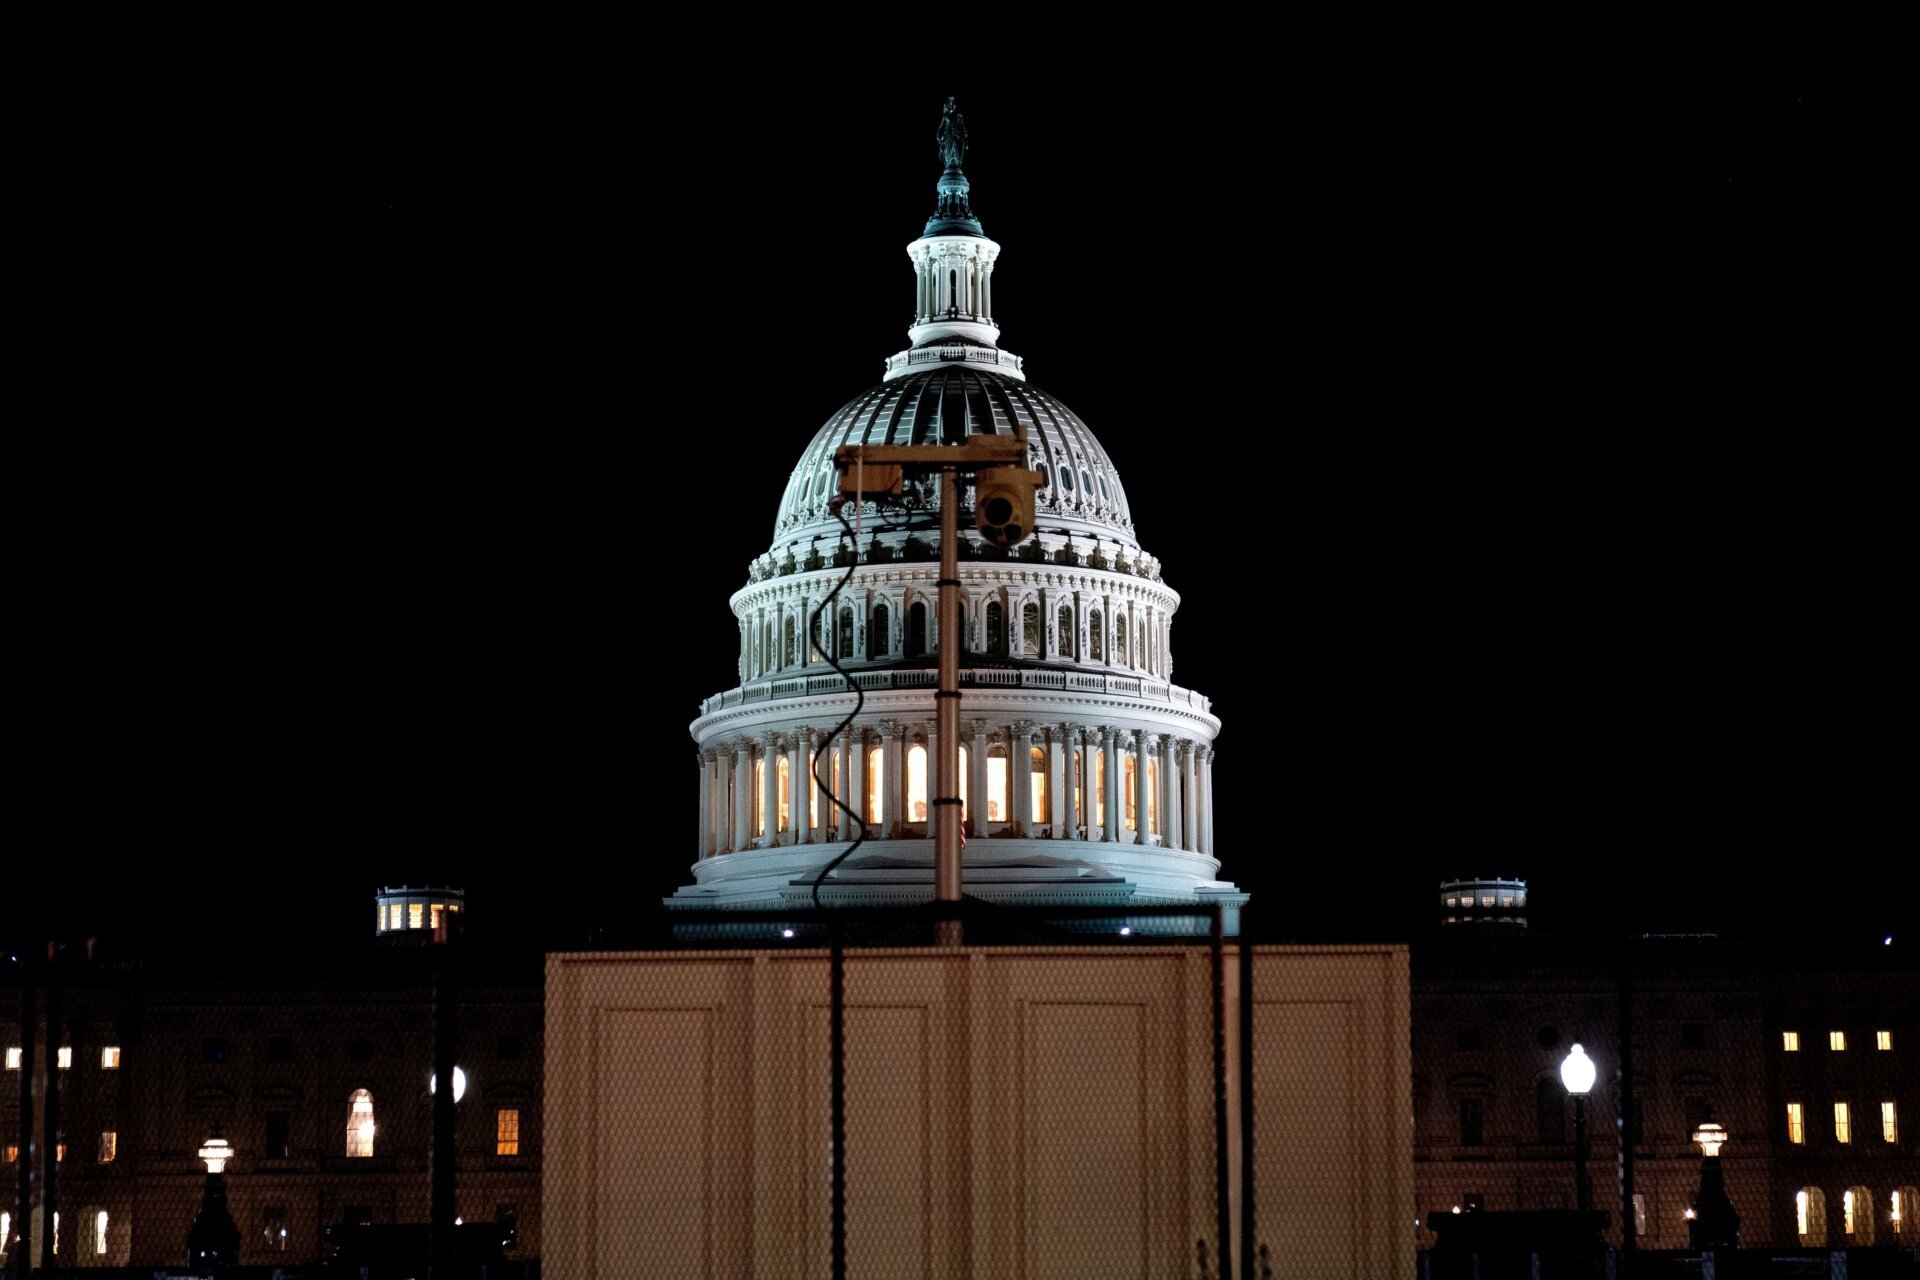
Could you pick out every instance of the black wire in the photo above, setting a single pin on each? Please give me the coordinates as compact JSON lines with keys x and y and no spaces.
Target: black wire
{"x":859,"y":694}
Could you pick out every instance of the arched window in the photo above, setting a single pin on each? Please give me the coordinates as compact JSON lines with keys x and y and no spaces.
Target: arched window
{"x":877,"y":633}
{"x":996,"y":630}
{"x":1126,"y":797}
{"x":360,"y":1123}
{"x":876,"y":784}
{"x":1065,"y":621}
{"x":916,"y":783}
{"x":1810,"y":1216}
{"x":1120,"y":638}
{"x":1038,"y":766}
{"x":769,"y":656}
{"x":998,"y":808}
{"x":953,"y":290}
{"x":1549,"y":1111}
{"x":817,"y":635}
{"x":792,"y":651}
{"x":1079,"y":794}
{"x":1905,"y":1215}
{"x":915,"y":641}
{"x":1094,"y":646}
{"x":1856,"y":1215}
{"x":1030,"y":629}
{"x":843,"y":650}
{"x":783,"y":784}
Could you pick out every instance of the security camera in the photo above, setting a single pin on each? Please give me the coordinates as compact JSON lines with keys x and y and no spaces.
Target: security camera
{"x":1003,"y":504}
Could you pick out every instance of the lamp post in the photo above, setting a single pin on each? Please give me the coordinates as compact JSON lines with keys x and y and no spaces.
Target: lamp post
{"x":1712,"y":1223}
{"x":213,"y":1240}
{"x":1576,"y":1073}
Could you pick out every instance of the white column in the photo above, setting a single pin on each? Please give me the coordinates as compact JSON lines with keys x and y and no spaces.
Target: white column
{"x":742,"y":793}
{"x":770,"y":791}
{"x":1206,"y":808}
{"x":896,"y":778}
{"x":1141,"y":750}
{"x":856,"y":781}
{"x":800,"y":786}
{"x":1189,"y":757}
{"x":706,"y":802}
{"x":843,"y":751}
{"x":1059,"y":779}
{"x":977,"y":781}
{"x":1110,"y":744}
{"x":1020,"y":774}
{"x":1089,"y":792}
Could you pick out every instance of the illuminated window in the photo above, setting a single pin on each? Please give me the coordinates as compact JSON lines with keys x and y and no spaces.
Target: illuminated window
{"x":434,"y":914}
{"x":1889,"y":1123}
{"x":273,"y":1228}
{"x":360,"y":1123}
{"x":1451,"y":902}
{"x":60,"y":1152}
{"x":876,"y":783}
{"x":109,"y":1145}
{"x":100,"y":1233}
{"x":6,"y":1231}
{"x":1790,"y":1041}
{"x":1639,"y":1214}
{"x":1842,"y":1122}
{"x":56,"y":1231}
{"x":1856,"y":1205}
{"x":1126,"y":798}
{"x":1905,"y":1215}
{"x":1039,"y":787}
{"x":1079,"y":791}
{"x":1796,"y":1123}
{"x":1506,"y":899}
{"x":506,"y":1131}
{"x":396,"y":916}
{"x":1486,"y":899}
{"x":1810,"y":1215}
{"x":110,"y":1057}
{"x":1883,"y":1041}
{"x":13,"y":1153}
{"x":998,"y":807}
{"x":416,"y":915}
{"x":65,"y":1057}
{"x":917,"y":783}
{"x":13,"y":1057}
{"x":1837,"y":1041}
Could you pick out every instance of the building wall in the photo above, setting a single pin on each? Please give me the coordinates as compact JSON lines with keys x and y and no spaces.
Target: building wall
{"x":1011,"y":1112}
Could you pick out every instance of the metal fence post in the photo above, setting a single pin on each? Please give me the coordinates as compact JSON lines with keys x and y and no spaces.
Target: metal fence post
{"x":837,"y":1106}
{"x":1221,"y":1165}
{"x":1248,"y":1225}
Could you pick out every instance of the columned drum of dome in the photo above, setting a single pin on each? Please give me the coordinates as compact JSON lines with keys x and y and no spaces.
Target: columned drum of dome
{"x":1086,"y":773}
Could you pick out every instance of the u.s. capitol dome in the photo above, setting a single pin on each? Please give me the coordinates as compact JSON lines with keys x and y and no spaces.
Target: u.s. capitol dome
{"x":1086,"y":772}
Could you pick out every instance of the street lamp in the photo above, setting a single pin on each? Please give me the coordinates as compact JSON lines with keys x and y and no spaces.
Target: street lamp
{"x":1712,"y":1223}
{"x":1576,"y":1073}
{"x":214,"y":1240}
{"x":459,"y":1084}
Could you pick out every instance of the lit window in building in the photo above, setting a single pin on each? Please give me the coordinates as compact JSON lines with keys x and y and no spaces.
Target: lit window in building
{"x":360,"y":1123}
{"x":1486,"y":899}
{"x":1451,"y":902}
{"x":13,"y":1152}
{"x":917,"y":783}
{"x":965,"y":800}
{"x":1883,"y":1041}
{"x":6,"y":1232}
{"x":65,"y":1057}
{"x":60,"y":1152}
{"x":1796,"y":1123}
{"x":997,"y":807}
{"x":110,"y":1057}
{"x":100,"y":1233}
{"x":273,"y":1228}
{"x":783,"y":795}
{"x":1039,"y":787}
{"x":56,"y":1231}
{"x":396,"y":916}
{"x":416,"y":915}
{"x":876,"y":783}
{"x":1126,"y":798}
{"x":13,"y":1057}
{"x":1837,"y":1041}
{"x":1079,"y":792}
{"x":1842,"y":1122}
{"x":1856,"y":1213}
{"x":506,"y":1131}
{"x":109,"y":1145}
{"x":435,"y":911}
{"x":759,"y":792}
{"x":1640,"y":1214}
{"x":1803,"y":1215}
{"x":1506,"y":899}
{"x":1889,"y":1123}
{"x":1790,"y":1041}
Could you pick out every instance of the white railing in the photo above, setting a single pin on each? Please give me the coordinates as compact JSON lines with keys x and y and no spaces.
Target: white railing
{"x":984,"y":678}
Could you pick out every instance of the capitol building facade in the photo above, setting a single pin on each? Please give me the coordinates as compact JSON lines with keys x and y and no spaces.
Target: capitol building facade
{"x":1085,"y":772}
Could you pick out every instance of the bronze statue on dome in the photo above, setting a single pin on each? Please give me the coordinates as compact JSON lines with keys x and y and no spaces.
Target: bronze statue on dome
{"x":952,"y":136}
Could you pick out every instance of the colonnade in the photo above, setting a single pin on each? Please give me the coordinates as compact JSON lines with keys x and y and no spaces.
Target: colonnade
{"x":1103,"y":783}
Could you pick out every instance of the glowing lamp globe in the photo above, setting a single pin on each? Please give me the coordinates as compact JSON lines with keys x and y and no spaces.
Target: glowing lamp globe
{"x":1711,"y":1138}
{"x":216,"y":1153}
{"x":1577,"y":1072}
{"x":459,"y":1084}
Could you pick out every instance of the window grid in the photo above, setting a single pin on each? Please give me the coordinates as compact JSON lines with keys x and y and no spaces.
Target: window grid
{"x":109,"y":1145}
{"x":506,"y":1132}
{"x":1837,"y":1041}
{"x":110,"y":1057}
{"x":1889,"y":1123}
{"x":1842,"y":1122}
{"x":1790,"y":1041}
{"x":1883,"y":1041}
{"x":1796,"y":1123}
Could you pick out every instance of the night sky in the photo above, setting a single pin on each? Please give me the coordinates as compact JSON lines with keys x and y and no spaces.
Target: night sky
{"x":1528,"y":456}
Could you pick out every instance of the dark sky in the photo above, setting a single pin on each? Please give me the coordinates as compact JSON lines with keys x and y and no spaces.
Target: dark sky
{"x":1528,"y":455}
